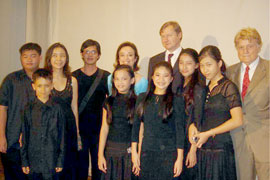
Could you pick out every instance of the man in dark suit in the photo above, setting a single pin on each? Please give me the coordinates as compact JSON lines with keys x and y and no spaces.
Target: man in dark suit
{"x":251,"y":75}
{"x":171,"y":36}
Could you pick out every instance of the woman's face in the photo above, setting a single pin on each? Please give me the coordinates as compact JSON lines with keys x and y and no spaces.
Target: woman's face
{"x":127,"y":56}
{"x":187,"y":65}
{"x":122,"y":81}
{"x":59,"y":58}
{"x":210,"y":68}
{"x":162,"y":78}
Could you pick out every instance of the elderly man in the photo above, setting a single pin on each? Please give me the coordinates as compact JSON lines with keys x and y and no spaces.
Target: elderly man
{"x":251,"y":75}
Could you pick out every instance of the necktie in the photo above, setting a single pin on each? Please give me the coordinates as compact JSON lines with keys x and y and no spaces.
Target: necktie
{"x":169,"y":58}
{"x":246,"y":82}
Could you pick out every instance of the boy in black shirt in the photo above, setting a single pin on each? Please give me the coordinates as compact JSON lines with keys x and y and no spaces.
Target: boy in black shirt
{"x":43,"y":127}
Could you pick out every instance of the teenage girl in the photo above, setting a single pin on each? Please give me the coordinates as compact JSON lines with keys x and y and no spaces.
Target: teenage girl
{"x":114,"y":153}
{"x":127,"y":54}
{"x":65,"y":92}
{"x":160,"y":116}
{"x":222,"y":113}
{"x":192,"y":90}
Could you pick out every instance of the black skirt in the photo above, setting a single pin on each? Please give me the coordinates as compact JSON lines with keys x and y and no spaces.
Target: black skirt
{"x":216,"y":164}
{"x":118,"y":160}
{"x":157,"y":165}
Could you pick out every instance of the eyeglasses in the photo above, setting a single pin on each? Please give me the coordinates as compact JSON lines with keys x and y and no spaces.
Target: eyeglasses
{"x":92,"y":52}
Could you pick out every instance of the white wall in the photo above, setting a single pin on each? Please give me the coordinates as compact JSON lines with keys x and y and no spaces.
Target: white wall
{"x":12,"y":34}
{"x":112,"y":22}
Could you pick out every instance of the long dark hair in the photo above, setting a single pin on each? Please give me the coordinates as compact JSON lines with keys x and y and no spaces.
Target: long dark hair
{"x":130,"y":97}
{"x":167,"y":103}
{"x":48,"y":57}
{"x":214,"y":53}
{"x":188,"y":94}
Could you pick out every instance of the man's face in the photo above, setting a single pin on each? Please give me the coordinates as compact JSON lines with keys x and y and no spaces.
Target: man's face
{"x":170,"y":39}
{"x":90,"y":55}
{"x":248,"y":50}
{"x":30,"y":60}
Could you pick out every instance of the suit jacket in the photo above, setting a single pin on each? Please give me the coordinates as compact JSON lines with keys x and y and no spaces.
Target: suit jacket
{"x":176,"y":74}
{"x":255,"y":129}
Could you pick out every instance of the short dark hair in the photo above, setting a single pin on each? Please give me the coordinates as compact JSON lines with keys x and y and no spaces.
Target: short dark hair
{"x":42,"y":73}
{"x":30,"y":46}
{"x":91,"y":42}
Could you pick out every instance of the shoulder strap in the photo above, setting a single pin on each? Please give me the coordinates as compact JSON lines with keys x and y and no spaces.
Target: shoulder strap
{"x":90,"y":91}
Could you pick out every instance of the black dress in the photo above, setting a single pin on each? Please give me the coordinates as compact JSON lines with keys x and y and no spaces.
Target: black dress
{"x":216,"y":157}
{"x":193,"y":114}
{"x":64,"y":98}
{"x":161,"y":139}
{"x":117,"y":150}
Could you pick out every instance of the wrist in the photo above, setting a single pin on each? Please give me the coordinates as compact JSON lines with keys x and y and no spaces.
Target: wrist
{"x":211,"y":133}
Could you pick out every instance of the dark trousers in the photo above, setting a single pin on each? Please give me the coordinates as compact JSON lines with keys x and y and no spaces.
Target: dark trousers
{"x":12,"y":165}
{"x":90,"y":144}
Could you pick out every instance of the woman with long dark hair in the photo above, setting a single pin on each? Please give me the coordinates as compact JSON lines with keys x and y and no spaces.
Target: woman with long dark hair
{"x":222,"y":113}
{"x":160,"y":117}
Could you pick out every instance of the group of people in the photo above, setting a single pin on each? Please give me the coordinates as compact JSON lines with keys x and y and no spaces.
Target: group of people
{"x":170,"y":125}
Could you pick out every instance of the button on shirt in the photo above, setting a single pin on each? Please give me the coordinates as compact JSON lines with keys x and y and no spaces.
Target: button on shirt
{"x":252,"y":68}
{"x":43,"y":130}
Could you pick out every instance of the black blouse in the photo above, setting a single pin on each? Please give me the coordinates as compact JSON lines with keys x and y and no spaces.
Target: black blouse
{"x":160,"y":136}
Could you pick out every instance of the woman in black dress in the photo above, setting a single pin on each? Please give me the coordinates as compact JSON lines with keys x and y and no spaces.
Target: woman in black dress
{"x":160,"y":118}
{"x":222,"y":113}
{"x":65,"y":92}
{"x":193,"y":92}
{"x":115,"y":133}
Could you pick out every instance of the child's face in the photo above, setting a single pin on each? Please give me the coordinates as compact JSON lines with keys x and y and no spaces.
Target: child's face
{"x":59,"y":58}
{"x":162,"y":79}
{"x":127,"y":56}
{"x":187,"y":65}
{"x":43,"y":88}
{"x":122,"y":81}
{"x":210,"y":68}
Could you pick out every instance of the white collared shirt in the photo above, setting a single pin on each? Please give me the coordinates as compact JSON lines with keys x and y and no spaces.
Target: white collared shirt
{"x":175,"y":55}
{"x":252,"y":68}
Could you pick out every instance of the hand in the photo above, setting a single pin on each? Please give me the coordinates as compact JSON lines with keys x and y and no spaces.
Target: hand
{"x":136,"y":164}
{"x":3,"y":144}
{"x":58,"y":169}
{"x":102,"y":164}
{"x":26,"y":170}
{"x":191,"y":159}
{"x":79,"y":141}
{"x":20,"y":140}
{"x":192,"y":131}
{"x":203,"y":137}
{"x":178,"y":166}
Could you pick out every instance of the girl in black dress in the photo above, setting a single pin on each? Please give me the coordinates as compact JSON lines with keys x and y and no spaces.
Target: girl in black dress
{"x":115,"y":134}
{"x":192,"y":91}
{"x":222,"y":113}
{"x":159,"y":119}
{"x":65,"y":92}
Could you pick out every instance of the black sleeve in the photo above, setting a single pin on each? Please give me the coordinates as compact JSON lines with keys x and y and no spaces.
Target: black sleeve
{"x":137,"y":120}
{"x":198,"y":105}
{"x":5,"y":89}
{"x":179,"y":109}
{"x":61,"y":137}
{"x":25,"y":138}
{"x":232,"y":95}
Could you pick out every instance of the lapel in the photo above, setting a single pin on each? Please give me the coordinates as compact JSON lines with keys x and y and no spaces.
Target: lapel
{"x":257,"y":76}
{"x":236,"y":75}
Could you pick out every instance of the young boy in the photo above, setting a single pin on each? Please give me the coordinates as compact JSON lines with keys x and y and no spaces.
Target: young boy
{"x":43,"y":127}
